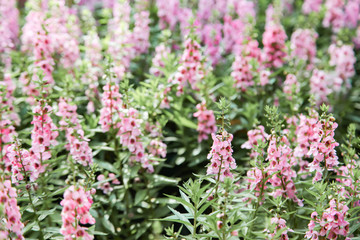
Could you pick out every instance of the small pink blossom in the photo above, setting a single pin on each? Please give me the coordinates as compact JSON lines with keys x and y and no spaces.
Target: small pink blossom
{"x":332,"y":222}
{"x":311,"y":6}
{"x":303,"y":46}
{"x":221,"y":160}
{"x":206,"y":122}
{"x":112,"y":104}
{"x":76,"y":205}
{"x":274,"y":45}
{"x":291,"y":86}
{"x":161,"y":54}
{"x":11,"y":224}
{"x":77,"y":143}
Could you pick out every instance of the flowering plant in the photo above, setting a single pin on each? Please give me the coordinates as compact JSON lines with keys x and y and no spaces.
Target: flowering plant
{"x":179,"y":119}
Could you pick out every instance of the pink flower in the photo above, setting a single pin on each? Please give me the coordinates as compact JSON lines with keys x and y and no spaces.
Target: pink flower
{"x":206,"y":122}
{"x":191,"y":69}
{"x":281,"y":159}
{"x":161,"y":53}
{"x":264,"y":77}
{"x":280,"y":224}
{"x":43,"y":136}
{"x":105,"y":186}
{"x":320,"y":86}
{"x":241,"y":72}
{"x":77,"y":143}
{"x":156,"y":148}
{"x":21,"y":164}
{"x":211,"y":37}
{"x":7,"y":131}
{"x":130,"y":134}
{"x":343,"y":58}
{"x":221,"y":160}
{"x":168,"y":13}
{"x":76,"y":205}
{"x":255,"y":136}
{"x":245,"y":9}
{"x":352,"y":11}
{"x":255,"y":180}
{"x":332,"y":222}
{"x":274,"y":45}
{"x":141,"y":32}
{"x":305,"y":134}
{"x":121,"y":46}
{"x":322,"y":148}
{"x":9,"y":30}
{"x":303,"y":46}
{"x":233,"y":33}
{"x":335,"y":15}
{"x":11,"y":216}
{"x":43,"y":50}
{"x":7,"y":88}
{"x":112,"y":104}
{"x":93,"y":48}
{"x":311,"y":6}
{"x":291,"y":86}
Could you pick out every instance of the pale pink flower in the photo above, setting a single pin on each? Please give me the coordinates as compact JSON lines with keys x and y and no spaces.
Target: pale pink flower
{"x":311,"y":6}
{"x":130,"y":133}
{"x":335,"y":15}
{"x":242,"y":74}
{"x":168,"y":13}
{"x":161,"y":53}
{"x":281,"y":159}
{"x":77,"y":143}
{"x":191,"y":70}
{"x":11,"y":224}
{"x":291,"y":86}
{"x":303,"y":46}
{"x":43,"y":136}
{"x":343,"y":58}
{"x":111,"y":106}
{"x":211,"y":37}
{"x":255,"y":136}
{"x":320,"y":86}
{"x":274,"y":45}
{"x":141,"y":32}
{"x":332,"y":222}
{"x":206,"y":122}
{"x":76,"y":205}
{"x":322,"y":148}
{"x":280,"y":225}
{"x":221,"y":160}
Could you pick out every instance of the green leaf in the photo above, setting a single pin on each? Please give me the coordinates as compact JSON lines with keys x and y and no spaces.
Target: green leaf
{"x":60,"y":191}
{"x":187,"y":123}
{"x":44,"y":214}
{"x":106,"y":165}
{"x":181,"y":217}
{"x":108,"y":225}
{"x":28,"y":227}
{"x":190,"y":208}
{"x":304,"y":217}
{"x":140,"y":196}
{"x":203,"y":208}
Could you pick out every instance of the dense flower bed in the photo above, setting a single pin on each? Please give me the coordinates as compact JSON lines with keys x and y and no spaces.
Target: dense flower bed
{"x":179,"y":119}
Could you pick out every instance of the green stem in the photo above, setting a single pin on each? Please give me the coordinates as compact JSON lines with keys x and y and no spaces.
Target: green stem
{"x":225,"y":218}
{"x":218,"y":176}
{"x":195,"y":222}
{"x":257,"y":202}
{"x":30,"y":198}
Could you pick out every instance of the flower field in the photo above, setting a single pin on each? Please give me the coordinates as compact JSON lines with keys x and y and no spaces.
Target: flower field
{"x":179,"y":119}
